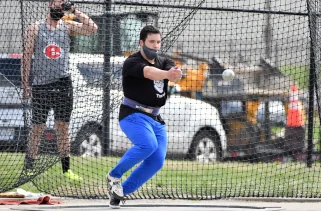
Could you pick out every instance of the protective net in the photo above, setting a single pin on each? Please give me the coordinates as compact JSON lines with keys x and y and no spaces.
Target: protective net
{"x":243,"y":121}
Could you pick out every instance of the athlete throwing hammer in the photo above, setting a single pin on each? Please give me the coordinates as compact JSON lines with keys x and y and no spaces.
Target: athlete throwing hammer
{"x":145,"y":80}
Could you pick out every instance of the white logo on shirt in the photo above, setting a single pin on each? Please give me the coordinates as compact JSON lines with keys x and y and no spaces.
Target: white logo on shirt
{"x":159,"y":86}
{"x":160,"y":95}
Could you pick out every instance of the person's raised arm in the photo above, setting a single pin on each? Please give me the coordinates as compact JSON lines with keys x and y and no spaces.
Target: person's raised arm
{"x":86,"y":25}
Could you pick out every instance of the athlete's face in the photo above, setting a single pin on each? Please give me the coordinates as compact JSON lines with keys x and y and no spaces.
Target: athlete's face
{"x":153,"y":41}
{"x":56,"y":12}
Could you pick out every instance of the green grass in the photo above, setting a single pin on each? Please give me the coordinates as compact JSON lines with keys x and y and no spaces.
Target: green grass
{"x":276,"y":129}
{"x":179,"y":179}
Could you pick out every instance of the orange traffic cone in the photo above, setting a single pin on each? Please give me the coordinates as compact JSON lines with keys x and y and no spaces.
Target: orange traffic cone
{"x":295,"y":114}
{"x":294,"y":132}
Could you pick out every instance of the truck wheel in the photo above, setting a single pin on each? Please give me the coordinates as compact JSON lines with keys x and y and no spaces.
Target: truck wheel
{"x":205,"y":148}
{"x":88,"y":141}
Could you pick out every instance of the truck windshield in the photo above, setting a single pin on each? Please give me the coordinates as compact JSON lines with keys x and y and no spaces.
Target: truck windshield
{"x":124,"y":33}
{"x":129,"y":34}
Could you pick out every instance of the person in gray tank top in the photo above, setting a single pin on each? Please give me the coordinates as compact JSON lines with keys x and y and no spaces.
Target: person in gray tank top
{"x":46,"y":58}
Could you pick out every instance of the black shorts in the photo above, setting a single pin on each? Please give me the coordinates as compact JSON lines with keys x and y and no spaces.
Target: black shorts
{"x":57,"y":96}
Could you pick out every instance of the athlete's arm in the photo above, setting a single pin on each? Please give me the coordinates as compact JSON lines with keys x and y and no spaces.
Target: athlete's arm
{"x":155,"y":74}
{"x":28,"y":49}
{"x":86,"y":25}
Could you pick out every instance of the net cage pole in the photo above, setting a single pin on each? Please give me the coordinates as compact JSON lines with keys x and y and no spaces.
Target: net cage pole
{"x":312,"y":11}
{"x":106,"y":77}
{"x":25,"y":117}
{"x":317,"y":69}
{"x":268,"y":45}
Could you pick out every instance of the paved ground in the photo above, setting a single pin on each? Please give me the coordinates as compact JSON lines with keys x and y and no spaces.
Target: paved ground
{"x":178,"y":205}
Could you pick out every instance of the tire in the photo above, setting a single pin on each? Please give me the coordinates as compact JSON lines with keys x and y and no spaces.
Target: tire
{"x":88,"y":141}
{"x":205,"y":148}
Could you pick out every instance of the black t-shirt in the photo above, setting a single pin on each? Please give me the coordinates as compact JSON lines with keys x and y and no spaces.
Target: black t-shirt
{"x":140,"y":89}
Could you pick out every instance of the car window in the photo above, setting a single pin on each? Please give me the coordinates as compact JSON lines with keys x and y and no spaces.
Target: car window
{"x":116,"y":70}
{"x":93,"y":73}
{"x":10,"y":72}
{"x":4,"y":81}
{"x":231,"y":107}
{"x":276,"y":110}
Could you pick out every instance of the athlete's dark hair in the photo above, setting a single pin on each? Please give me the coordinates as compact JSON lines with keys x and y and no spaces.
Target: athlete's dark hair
{"x":149,"y":29}
{"x":51,"y":1}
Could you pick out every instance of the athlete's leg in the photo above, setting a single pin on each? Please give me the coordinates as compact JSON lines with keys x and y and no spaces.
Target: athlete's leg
{"x":40,"y":108}
{"x":62,"y":104}
{"x":34,"y":140}
{"x":138,"y":129}
{"x":151,"y":165}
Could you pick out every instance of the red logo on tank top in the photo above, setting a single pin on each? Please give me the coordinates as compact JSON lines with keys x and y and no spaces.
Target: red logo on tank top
{"x":52,"y":51}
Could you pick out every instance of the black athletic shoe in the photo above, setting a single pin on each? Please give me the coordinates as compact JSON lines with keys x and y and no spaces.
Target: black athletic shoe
{"x":114,"y":203}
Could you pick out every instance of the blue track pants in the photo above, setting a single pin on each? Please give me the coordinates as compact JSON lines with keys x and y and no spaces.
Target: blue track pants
{"x":150,"y":144}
